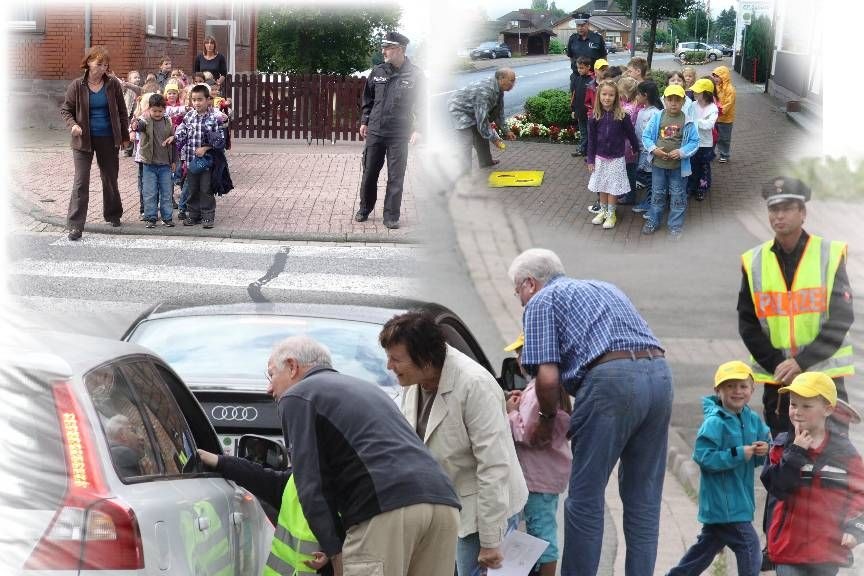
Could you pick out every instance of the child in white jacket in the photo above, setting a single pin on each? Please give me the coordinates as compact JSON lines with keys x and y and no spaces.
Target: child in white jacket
{"x":706,"y":117}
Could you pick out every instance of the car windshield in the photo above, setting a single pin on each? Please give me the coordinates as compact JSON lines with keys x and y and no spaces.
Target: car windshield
{"x":235,"y":348}
{"x":489,"y":45}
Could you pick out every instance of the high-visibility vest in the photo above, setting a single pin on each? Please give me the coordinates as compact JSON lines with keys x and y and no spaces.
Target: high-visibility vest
{"x":207,"y":551}
{"x":293,"y":542}
{"x":792,"y":318}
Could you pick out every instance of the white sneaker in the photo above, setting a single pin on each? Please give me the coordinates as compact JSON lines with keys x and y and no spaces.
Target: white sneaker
{"x":599,"y":218}
{"x":610,"y":221}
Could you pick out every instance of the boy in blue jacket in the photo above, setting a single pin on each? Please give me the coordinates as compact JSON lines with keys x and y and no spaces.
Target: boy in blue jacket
{"x":731,"y":443}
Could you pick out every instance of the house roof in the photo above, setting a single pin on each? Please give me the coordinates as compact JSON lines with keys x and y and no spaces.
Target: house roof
{"x":607,"y":23}
{"x":538,"y":19}
{"x":529,"y":32}
{"x":612,"y":8}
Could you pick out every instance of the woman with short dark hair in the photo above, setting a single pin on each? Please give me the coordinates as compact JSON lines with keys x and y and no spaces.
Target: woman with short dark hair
{"x":95,"y":113}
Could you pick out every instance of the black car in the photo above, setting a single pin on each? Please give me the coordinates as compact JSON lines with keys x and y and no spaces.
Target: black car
{"x":221,"y":352}
{"x":726,"y":50}
{"x":611,"y":48}
{"x":490,"y":50}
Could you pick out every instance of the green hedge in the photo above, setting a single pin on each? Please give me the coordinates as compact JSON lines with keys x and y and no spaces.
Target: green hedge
{"x":698,"y":56}
{"x":549,"y":107}
{"x":555,"y":46}
{"x":659,"y":77}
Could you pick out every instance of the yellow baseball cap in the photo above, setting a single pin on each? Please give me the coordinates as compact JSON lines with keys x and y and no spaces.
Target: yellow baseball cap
{"x":812,"y":384}
{"x":674,"y":90}
{"x":703,"y":85}
{"x":734,"y":370}
{"x":518,"y":343}
{"x":171,"y":86}
{"x":600,"y":63}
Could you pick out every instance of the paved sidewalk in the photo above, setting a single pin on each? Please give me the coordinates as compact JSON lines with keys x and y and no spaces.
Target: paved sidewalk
{"x":494,"y":225}
{"x":284,"y":191}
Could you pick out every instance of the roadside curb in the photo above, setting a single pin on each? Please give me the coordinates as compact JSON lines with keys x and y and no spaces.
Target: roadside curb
{"x":680,"y":462}
{"x":34,"y":211}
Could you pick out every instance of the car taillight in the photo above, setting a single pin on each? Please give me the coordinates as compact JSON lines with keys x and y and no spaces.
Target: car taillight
{"x":92,"y":530}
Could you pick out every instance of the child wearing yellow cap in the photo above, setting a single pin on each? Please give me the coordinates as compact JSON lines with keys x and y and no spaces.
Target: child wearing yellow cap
{"x":699,"y":183}
{"x":815,"y":481}
{"x":670,"y":139}
{"x":546,"y":469}
{"x":731,"y":443}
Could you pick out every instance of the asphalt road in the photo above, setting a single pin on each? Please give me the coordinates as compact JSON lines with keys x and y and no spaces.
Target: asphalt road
{"x":530,"y":80}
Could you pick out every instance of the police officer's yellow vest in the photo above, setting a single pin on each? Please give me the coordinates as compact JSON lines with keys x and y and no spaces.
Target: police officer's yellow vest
{"x":208,"y":551}
{"x":293,"y":542}
{"x":792,"y":318}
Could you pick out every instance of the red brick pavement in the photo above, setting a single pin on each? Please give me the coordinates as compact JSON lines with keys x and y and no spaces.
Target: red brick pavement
{"x":764,"y":143}
{"x":284,"y":191}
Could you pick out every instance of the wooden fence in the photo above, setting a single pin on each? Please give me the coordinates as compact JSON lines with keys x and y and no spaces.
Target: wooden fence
{"x":300,"y":106}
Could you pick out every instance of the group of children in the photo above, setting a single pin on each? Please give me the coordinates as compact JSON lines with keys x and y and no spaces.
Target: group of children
{"x":813,"y":475}
{"x":634,"y":139}
{"x":178,"y":133}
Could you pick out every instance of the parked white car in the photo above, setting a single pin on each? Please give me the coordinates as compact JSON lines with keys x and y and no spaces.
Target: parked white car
{"x":684,"y":47}
{"x":100,"y":471}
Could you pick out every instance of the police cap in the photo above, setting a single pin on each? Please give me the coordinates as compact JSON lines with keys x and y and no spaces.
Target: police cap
{"x":581,"y":17}
{"x":784,"y":189}
{"x":395,"y":39}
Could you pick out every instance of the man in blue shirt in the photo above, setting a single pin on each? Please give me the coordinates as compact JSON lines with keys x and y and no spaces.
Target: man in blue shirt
{"x":587,"y":336}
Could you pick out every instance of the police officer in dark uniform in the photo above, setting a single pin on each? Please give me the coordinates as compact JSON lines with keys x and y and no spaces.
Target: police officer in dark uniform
{"x":584,"y":42}
{"x":389,"y":123}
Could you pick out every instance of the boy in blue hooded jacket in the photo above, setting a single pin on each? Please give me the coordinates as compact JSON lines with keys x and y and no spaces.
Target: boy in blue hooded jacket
{"x":731,"y":443}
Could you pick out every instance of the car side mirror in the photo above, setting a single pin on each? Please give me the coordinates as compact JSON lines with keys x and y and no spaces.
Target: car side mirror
{"x":264,"y":451}
{"x":511,"y":375}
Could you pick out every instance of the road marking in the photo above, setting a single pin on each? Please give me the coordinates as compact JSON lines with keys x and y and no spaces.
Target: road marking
{"x":196,"y":275}
{"x":224,"y":247}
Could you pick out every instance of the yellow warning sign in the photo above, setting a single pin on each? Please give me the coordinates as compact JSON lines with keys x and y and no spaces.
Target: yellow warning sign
{"x":516,"y":178}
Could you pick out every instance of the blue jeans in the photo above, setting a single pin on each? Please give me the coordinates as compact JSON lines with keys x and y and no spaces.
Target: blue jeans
{"x":141,"y":186}
{"x":184,"y":194}
{"x":740,"y":537}
{"x":157,"y":190}
{"x":667,"y":184}
{"x":621,"y":412}
{"x":468,"y":548}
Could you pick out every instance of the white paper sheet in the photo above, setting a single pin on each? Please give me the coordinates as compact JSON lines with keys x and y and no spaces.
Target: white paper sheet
{"x":521,"y":551}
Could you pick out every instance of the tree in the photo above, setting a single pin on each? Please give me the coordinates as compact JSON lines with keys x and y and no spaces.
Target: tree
{"x":661,"y":37}
{"x":305,"y":39}
{"x":723,"y":29}
{"x":693,"y":26}
{"x":540,"y":5}
{"x":556,"y":12}
{"x":759,"y":44}
{"x":652,"y":11}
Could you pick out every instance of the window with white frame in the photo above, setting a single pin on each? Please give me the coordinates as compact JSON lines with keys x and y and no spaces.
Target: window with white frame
{"x":157,"y":18}
{"x":27,"y":16}
{"x":180,"y":21}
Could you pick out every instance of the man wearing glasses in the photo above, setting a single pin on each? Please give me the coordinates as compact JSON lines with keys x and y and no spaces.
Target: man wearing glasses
{"x":584,"y":42}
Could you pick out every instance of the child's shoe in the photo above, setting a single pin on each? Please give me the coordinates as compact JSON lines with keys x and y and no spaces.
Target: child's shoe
{"x":599,"y":218}
{"x":595,"y":208}
{"x":207,"y":224}
{"x":168,"y":223}
{"x":150,"y":224}
{"x":610,"y":221}
{"x":181,"y":215}
{"x":648,"y":228}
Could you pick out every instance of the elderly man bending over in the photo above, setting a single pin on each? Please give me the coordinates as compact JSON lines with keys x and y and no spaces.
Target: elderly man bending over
{"x":361,"y":470}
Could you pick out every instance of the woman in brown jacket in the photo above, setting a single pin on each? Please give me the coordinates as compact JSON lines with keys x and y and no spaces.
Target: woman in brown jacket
{"x":95,"y":113}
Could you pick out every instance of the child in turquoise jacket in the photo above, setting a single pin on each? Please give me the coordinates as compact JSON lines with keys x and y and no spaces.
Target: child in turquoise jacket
{"x":731,"y":443}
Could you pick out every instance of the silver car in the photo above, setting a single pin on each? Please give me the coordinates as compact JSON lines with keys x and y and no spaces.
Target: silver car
{"x":711,"y":54}
{"x":100,"y":471}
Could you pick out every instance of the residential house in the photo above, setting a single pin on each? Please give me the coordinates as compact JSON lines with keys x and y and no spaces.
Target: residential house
{"x":607,"y":19}
{"x":527,"y":32}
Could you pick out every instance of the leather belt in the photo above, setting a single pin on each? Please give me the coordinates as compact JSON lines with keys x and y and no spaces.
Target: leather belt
{"x":624,"y":354}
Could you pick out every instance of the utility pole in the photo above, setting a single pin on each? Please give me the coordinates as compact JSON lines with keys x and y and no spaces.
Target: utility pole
{"x":633,"y":29}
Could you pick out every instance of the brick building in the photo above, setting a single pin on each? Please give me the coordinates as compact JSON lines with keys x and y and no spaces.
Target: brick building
{"x":46,"y":42}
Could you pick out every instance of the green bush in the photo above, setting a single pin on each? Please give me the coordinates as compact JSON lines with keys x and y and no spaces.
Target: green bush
{"x":549,"y":107}
{"x":555,"y":46}
{"x":698,"y":56}
{"x":659,"y":77}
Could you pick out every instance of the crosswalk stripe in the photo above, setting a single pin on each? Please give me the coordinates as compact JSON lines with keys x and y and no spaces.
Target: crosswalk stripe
{"x":229,"y":247}
{"x":340,"y":283}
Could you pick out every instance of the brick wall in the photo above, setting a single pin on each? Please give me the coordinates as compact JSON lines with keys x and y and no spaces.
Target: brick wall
{"x":56,"y":53}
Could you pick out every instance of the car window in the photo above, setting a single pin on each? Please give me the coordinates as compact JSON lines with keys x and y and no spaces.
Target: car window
{"x":131,"y":449}
{"x":243,"y":343}
{"x":203,"y":433}
{"x":171,"y":434}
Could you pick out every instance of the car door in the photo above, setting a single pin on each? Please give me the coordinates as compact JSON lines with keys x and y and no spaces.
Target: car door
{"x":200,"y":520}
{"x":250,"y":531}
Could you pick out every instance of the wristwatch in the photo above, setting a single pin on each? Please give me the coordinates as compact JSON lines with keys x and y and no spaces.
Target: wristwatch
{"x":544,"y":416}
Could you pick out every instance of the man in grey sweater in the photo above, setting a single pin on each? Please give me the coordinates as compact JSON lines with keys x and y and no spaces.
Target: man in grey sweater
{"x":361,"y":470}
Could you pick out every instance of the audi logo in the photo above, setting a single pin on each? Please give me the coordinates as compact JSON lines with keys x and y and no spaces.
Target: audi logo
{"x":234,"y":413}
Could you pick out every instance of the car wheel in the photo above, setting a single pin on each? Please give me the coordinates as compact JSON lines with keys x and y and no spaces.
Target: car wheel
{"x":494,"y":55}
{"x":712,"y":57}
{"x":681,"y":55}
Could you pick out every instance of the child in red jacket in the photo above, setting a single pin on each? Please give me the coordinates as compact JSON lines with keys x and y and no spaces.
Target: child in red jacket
{"x":815,"y":482}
